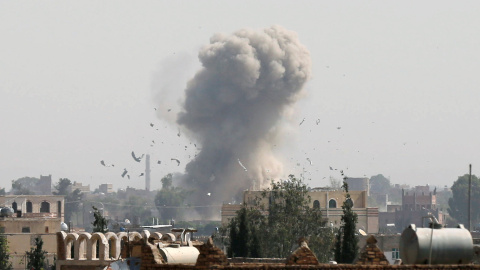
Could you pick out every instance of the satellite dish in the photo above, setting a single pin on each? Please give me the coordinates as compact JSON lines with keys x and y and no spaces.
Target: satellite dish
{"x":362,"y":232}
{"x":64,"y":226}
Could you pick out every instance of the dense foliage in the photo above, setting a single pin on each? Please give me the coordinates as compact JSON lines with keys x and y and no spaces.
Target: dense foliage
{"x":347,"y":240}
{"x":170,"y":200}
{"x":253,"y":233}
{"x":4,"y":254}
{"x":72,"y":199}
{"x":36,"y":256}
{"x":458,"y":204}
{"x":100,"y":224}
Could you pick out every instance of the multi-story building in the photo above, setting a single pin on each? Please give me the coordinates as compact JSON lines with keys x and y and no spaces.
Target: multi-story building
{"x":33,"y":215}
{"x":79,"y":186}
{"x":106,"y":188}
{"x":417,"y":203}
{"x":328,"y":200}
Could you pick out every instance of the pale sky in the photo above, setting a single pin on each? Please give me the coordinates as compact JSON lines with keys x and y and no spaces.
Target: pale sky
{"x":394,"y":85}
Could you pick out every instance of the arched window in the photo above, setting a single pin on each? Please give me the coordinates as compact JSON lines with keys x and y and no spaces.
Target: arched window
{"x":332,"y":204}
{"x":45,"y":207}
{"x":29,"y":207}
{"x":316,"y":204}
{"x":14,"y":206}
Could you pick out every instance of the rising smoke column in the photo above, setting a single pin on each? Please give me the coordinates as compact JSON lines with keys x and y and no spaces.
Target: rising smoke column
{"x":233,"y":106}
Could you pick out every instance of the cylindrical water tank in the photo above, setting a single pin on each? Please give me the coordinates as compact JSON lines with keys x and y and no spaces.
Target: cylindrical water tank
{"x":179,"y":254}
{"x":444,"y":245}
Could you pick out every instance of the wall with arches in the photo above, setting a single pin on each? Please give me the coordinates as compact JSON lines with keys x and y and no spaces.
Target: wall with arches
{"x":83,"y":246}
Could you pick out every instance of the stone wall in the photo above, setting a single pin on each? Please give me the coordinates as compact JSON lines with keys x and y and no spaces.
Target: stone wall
{"x":144,"y":247}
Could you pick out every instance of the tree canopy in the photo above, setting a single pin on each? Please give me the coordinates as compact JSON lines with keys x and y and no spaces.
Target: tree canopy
{"x":170,"y":199}
{"x":36,"y":256}
{"x":72,"y":199}
{"x":100,"y":224}
{"x":379,"y":184}
{"x":346,"y":244}
{"x":254,"y":233}
{"x":458,"y":204}
{"x":5,"y":262}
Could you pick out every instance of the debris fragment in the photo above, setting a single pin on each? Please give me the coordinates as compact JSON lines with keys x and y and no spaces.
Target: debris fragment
{"x":124,"y":172}
{"x":303,"y":120}
{"x":178,"y":161}
{"x":137,"y":159}
{"x":239,"y":162}
{"x":308,"y":159}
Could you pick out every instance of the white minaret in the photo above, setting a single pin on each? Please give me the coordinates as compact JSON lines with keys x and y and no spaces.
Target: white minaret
{"x":147,"y":173}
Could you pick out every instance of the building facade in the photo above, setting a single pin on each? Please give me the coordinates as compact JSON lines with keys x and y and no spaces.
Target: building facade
{"x":328,"y":200}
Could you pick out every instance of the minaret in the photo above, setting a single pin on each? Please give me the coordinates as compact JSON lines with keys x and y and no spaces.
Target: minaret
{"x":147,"y":173}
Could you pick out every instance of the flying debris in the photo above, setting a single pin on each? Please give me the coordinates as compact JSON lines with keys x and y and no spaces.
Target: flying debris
{"x":169,"y":109}
{"x":331,"y":169}
{"x":318,"y":121}
{"x":303,"y":120}
{"x":155,"y":109}
{"x":178,"y":161}
{"x":124,"y":172}
{"x":141,"y":174}
{"x":151,"y":124}
{"x":308,"y":159}
{"x":339,"y":127}
{"x":153,"y":141}
{"x":137,"y":159}
{"x":178,"y":133}
{"x":209,"y":194}
{"x":105,"y":165}
{"x":239,"y":162}
{"x":159,"y":162}
{"x":128,"y":176}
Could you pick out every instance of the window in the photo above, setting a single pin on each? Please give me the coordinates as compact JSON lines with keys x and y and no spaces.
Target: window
{"x":332,"y":204}
{"x":29,"y":207}
{"x":2,"y":229}
{"x":59,"y":208}
{"x":25,"y":229}
{"x":395,"y":254}
{"x":316,"y":204}
{"x":46,"y":229}
{"x":45,"y":207}
{"x":14,"y":206}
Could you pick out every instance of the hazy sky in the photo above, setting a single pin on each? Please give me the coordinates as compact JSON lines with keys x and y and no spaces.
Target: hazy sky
{"x":394,"y":87}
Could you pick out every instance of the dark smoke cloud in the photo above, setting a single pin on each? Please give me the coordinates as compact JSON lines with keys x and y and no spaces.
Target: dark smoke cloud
{"x":233,"y":106}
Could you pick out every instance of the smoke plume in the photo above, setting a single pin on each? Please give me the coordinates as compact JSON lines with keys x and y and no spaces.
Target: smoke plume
{"x":233,"y":107}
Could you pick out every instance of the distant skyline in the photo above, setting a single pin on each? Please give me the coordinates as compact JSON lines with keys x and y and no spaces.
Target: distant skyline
{"x":394,"y":87}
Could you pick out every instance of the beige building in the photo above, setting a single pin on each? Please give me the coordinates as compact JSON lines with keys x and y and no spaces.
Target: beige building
{"x":32,"y":215}
{"x":35,"y":206}
{"x":79,"y":186}
{"x":328,"y":200}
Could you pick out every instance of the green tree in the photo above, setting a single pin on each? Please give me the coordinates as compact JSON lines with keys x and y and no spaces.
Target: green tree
{"x":62,"y":186}
{"x":139,"y":209}
{"x":4,"y":254}
{"x":100,"y":224}
{"x":458,"y":204}
{"x":346,"y":250}
{"x":379,"y":184}
{"x":169,"y":200}
{"x":72,"y":199}
{"x":290,"y":218}
{"x":24,"y":186}
{"x":36,"y":256}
